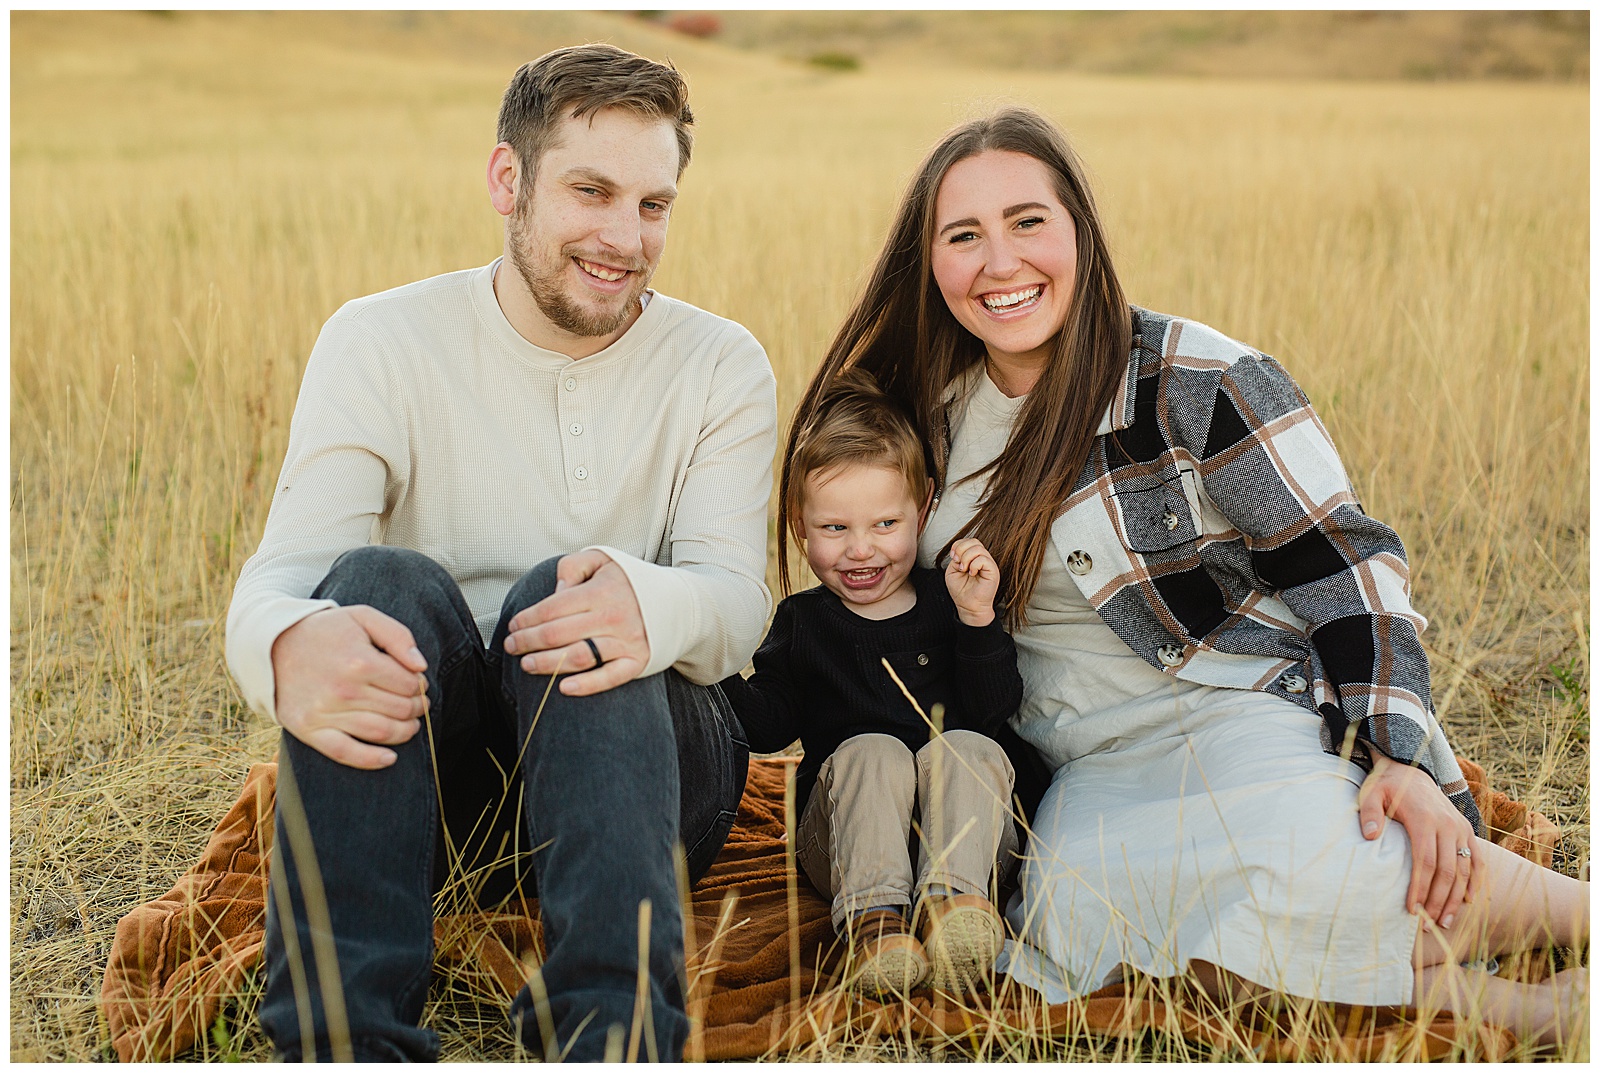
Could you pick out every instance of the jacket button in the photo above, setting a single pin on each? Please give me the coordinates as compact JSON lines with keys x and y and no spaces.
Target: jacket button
{"x":922,"y":659}
{"x":1170,"y":654}
{"x":1079,"y":562}
{"x":1293,"y":683}
{"x":1170,"y":520}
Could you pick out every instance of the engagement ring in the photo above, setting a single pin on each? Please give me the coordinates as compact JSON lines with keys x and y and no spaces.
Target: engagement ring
{"x":1463,"y":851}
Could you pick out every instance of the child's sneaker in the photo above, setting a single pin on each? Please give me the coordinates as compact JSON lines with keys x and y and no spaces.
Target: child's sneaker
{"x":962,"y":935}
{"x":888,"y":958}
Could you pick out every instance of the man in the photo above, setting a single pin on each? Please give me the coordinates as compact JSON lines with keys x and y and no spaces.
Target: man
{"x":547,"y":409}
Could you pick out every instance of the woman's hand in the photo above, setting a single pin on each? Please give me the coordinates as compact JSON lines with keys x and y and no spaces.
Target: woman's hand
{"x":1441,"y":879}
{"x":973,"y":579}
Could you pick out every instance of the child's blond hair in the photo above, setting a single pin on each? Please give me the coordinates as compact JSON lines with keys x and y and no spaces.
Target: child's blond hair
{"x":854,"y":423}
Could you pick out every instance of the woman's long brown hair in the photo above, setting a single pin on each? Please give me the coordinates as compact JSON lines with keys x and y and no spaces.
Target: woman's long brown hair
{"x":902,"y":332}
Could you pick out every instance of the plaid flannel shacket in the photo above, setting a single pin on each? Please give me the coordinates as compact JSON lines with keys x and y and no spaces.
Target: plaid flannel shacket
{"x":1215,"y":531}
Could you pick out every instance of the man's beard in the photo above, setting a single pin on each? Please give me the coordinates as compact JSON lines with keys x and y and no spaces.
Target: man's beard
{"x":549,"y":295}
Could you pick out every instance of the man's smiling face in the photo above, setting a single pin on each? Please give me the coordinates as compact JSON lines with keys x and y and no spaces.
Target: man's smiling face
{"x":589,"y":230}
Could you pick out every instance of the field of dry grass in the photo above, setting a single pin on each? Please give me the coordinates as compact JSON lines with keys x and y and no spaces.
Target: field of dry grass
{"x":193,"y":194}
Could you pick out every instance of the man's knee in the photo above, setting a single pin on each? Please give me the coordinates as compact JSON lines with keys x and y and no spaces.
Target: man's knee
{"x":530,"y":588}
{"x":410,"y":588}
{"x":373,"y":573}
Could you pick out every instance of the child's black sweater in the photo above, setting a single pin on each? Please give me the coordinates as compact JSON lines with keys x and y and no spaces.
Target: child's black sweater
{"x":819,"y":677}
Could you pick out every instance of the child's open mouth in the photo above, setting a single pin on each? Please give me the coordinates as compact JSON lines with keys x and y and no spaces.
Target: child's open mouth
{"x":861,"y":579}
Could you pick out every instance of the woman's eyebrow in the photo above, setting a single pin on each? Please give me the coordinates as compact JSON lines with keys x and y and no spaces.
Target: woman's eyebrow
{"x":1011,"y":210}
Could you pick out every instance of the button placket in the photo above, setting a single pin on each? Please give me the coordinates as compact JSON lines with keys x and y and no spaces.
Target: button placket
{"x":572,"y":417}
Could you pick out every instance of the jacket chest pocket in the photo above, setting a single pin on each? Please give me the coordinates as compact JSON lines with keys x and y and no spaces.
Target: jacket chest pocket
{"x":1156,"y":515}
{"x":928,"y":675}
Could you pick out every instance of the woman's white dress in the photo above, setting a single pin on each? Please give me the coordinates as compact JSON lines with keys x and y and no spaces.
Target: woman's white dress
{"x":1185,"y":821}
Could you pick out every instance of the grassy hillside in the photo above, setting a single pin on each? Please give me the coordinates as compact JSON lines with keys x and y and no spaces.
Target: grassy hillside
{"x":193,"y":194}
{"x":1416,"y":45}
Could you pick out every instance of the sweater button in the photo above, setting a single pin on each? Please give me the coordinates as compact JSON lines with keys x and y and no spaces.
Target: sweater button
{"x":1079,"y":562}
{"x":1170,"y":520}
{"x":922,"y":659}
{"x":572,"y":383}
{"x":1170,"y":654}
{"x":582,"y":473}
{"x":1293,"y":683}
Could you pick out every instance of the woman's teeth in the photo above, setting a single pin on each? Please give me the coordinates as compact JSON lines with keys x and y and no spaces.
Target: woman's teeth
{"x":997,"y":302}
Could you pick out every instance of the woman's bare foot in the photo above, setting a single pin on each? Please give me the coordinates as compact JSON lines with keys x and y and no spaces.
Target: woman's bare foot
{"x":1569,"y":1001}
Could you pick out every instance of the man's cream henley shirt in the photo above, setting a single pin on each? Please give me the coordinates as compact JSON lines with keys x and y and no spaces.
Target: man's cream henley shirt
{"x":426,"y":421}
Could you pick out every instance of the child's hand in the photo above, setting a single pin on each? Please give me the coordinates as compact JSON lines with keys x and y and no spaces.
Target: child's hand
{"x":972,"y":578}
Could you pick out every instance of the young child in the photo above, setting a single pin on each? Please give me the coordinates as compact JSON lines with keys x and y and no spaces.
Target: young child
{"x":877,"y":785}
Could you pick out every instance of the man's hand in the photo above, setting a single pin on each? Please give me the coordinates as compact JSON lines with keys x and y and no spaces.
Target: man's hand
{"x":972,"y":578}
{"x":349,"y":680}
{"x":1441,"y":879}
{"x":593,"y":600}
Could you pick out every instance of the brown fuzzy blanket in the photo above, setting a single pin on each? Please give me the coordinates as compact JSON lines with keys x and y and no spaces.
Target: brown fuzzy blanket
{"x":177,"y":959}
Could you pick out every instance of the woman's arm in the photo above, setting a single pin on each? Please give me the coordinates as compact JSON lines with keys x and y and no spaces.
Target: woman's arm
{"x":767,"y":703}
{"x":1270,"y":467}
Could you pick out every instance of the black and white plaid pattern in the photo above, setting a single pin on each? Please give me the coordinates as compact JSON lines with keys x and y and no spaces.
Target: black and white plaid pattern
{"x":1216,"y":533}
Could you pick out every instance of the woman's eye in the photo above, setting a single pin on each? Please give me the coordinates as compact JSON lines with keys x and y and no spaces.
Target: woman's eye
{"x":1028,"y":223}
{"x":961,"y":237}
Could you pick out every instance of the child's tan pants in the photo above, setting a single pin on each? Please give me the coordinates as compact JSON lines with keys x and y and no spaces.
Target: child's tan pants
{"x":855,"y":840}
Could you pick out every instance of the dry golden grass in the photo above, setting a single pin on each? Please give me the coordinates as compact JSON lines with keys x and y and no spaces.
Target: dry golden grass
{"x":193,"y":195}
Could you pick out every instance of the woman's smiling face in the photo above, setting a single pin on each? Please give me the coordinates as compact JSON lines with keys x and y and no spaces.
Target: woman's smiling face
{"x":1005,"y":253}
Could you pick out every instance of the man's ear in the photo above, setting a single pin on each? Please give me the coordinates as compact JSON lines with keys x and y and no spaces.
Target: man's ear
{"x":504,"y":170}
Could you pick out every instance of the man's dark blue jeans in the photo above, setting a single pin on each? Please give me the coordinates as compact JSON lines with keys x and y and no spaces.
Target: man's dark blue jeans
{"x":510,"y":786}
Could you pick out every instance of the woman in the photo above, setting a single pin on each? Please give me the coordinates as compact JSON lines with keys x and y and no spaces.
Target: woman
{"x":1219,"y":654}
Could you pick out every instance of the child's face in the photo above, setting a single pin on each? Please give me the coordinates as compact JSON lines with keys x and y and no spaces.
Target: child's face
{"x":860,"y":525}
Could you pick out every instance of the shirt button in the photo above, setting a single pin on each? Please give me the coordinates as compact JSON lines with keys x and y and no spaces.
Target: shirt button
{"x":1170,"y":654}
{"x":922,"y":659}
{"x":582,"y":473}
{"x":1293,"y":683}
{"x":572,"y":383}
{"x":1079,"y":562}
{"x":1170,"y":520}
{"x":577,"y":429}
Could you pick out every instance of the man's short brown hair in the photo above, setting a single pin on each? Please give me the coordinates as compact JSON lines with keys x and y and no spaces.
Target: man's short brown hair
{"x":581,"y":80}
